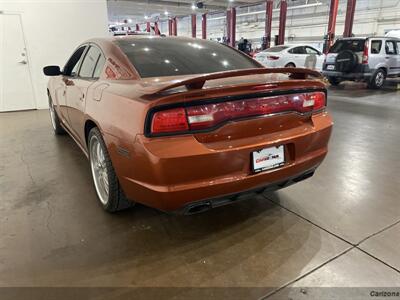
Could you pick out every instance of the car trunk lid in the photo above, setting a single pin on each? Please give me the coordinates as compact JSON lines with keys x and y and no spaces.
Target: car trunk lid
{"x":233,"y":92}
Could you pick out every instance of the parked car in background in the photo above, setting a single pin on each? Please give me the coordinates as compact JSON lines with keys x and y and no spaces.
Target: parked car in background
{"x":185,"y":124}
{"x":304,"y":56}
{"x":369,"y":59}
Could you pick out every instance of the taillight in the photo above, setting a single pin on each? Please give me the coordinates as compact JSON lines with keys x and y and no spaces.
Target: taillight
{"x":170,"y":120}
{"x":365,"y":53}
{"x":315,"y":100}
{"x":272,"y":57}
{"x":207,"y":116}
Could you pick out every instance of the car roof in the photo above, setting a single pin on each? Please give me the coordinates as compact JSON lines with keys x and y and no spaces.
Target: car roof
{"x":109,"y":42}
{"x":300,"y":45}
{"x":135,"y":37}
{"x":368,"y":37}
{"x":293,"y":45}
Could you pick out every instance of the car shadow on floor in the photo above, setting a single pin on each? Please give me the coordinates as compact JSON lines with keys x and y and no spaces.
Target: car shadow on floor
{"x":360,"y":89}
{"x":252,"y":243}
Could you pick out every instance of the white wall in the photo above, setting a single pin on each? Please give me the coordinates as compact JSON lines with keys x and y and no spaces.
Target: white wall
{"x":53,"y":29}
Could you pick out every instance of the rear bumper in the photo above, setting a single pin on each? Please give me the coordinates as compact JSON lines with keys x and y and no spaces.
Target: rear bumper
{"x":172,"y":173}
{"x":346,"y":75}
{"x":201,"y":206}
{"x":360,"y":72}
{"x":269,"y":63}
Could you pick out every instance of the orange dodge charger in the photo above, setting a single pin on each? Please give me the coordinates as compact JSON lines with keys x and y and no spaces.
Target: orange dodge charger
{"x":184,"y":124}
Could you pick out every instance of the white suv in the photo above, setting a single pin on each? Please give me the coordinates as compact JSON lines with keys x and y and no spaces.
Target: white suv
{"x":370,"y":59}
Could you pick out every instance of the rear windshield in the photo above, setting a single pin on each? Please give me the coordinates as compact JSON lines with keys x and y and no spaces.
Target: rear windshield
{"x":276,"y":49}
{"x":356,"y":45}
{"x":155,"y":57}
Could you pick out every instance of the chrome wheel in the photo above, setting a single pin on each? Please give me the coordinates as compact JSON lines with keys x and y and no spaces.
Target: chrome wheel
{"x":379,"y":79}
{"x":99,"y":169}
{"x":52,"y":115}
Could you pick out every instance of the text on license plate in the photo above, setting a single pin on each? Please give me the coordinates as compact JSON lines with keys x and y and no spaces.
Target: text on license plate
{"x":268,"y":158}
{"x":330,"y":67}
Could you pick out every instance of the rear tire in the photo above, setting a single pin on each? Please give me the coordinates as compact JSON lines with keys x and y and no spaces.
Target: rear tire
{"x":377,"y":80}
{"x":290,"y":65}
{"x":55,"y":120}
{"x":108,"y":189}
{"x":334,"y":81}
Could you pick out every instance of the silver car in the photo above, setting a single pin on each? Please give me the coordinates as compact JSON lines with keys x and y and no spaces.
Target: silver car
{"x":369,"y":59}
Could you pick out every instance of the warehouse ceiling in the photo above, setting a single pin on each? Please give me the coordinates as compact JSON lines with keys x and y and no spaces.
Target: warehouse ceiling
{"x":140,"y":10}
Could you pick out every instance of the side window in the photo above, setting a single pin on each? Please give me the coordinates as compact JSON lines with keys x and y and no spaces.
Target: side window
{"x":89,"y":62}
{"x":376,"y":46}
{"x":99,"y":66}
{"x":71,"y":67}
{"x":74,"y":71}
{"x":310,"y":50}
{"x":398,"y":47}
{"x":390,"y":47}
{"x":298,"y":50}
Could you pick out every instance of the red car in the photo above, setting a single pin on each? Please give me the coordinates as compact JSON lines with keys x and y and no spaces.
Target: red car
{"x":185,"y":124}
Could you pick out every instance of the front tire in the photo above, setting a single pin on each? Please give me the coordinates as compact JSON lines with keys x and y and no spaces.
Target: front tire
{"x":290,"y":65}
{"x":377,"y":80}
{"x":108,"y":190}
{"x":55,"y":120}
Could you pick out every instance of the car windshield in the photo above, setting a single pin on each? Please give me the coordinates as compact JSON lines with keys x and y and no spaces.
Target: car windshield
{"x":276,"y":49}
{"x":155,"y":57}
{"x":356,"y":45}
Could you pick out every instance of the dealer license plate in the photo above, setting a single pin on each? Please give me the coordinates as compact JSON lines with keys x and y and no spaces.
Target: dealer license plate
{"x":268,"y":158}
{"x":330,"y":67}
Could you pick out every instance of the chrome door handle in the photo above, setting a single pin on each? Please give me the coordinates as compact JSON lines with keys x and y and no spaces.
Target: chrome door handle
{"x":23,"y":62}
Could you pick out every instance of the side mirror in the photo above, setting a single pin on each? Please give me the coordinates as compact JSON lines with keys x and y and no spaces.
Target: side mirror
{"x":52,"y":71}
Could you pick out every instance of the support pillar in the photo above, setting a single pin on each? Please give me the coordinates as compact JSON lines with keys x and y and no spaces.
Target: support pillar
{"x":137,"y":27}
{"x":194,"y":20}
{"x":330,"y":36}
{"x":228,"y":26}
{"x":204,"y":26}
{"x":148,"y":28}
{"x":282,"y":22}
{"x":348,"y":25}
{"x":174,"y":26}
{"x":156,"y":29}
{"x":169,"y":27}
{"x":268,"y":24}
{"x":232,"y":38}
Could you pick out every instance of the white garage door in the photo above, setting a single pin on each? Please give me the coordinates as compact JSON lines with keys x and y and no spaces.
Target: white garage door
{"x":16,"y":91}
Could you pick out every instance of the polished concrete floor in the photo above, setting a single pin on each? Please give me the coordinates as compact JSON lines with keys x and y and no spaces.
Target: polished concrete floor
{"x":340,"y":228}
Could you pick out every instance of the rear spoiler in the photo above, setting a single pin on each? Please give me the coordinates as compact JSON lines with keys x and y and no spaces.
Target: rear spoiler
{"x":199,"y":81}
